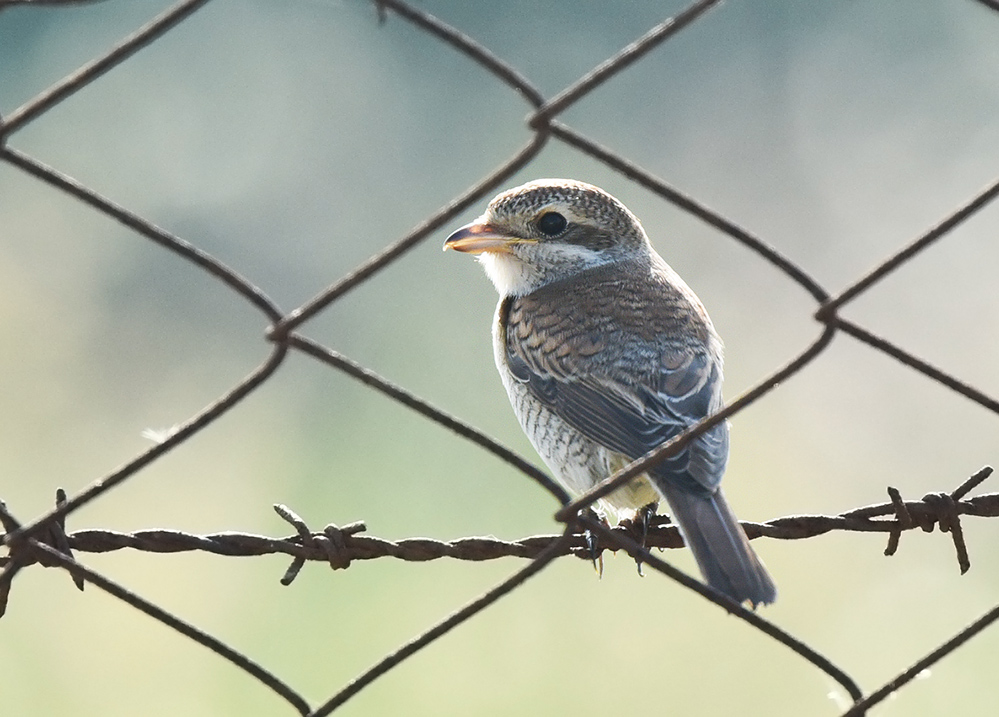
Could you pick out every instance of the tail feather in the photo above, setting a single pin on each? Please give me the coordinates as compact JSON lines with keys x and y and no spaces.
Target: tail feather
{"x":720,"y":547}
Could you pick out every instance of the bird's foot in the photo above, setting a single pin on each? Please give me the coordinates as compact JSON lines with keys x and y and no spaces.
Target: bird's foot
{"x":639,"y":527}
{"x":593,"y":548}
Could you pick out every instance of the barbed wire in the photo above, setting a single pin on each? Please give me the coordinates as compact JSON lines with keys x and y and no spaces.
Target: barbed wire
{"x":341,"y":545}
{"x":44,"y":540}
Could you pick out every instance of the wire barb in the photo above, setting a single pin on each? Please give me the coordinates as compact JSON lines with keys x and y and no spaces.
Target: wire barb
{"x":331,"y":543}
{"x":24,"y":551}
{"x":904,"y":520}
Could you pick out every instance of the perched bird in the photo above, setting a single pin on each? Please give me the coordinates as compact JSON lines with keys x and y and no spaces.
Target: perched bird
{"x":605,"y":354}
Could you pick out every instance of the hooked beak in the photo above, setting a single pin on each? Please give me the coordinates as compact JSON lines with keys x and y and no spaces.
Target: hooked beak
{"x":477,"y":238}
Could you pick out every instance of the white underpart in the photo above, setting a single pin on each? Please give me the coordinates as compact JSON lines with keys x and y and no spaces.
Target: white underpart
{"x":513,"y":277}
{"x":509,"y":275}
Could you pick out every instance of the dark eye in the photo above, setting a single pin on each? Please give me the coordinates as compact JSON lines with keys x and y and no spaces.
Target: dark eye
{"x":552,"y":224}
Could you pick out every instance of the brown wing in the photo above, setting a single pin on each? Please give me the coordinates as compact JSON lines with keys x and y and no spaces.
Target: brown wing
{"x":626,"y":362}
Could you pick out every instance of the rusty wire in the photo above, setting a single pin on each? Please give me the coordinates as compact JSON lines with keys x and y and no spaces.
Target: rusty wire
{"x":340,"y":545}
{"x":44,"y":539}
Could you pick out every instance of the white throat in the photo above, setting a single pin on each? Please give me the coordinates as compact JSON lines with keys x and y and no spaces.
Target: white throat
{"x":509,"y":275}
{"x":514,"y":277}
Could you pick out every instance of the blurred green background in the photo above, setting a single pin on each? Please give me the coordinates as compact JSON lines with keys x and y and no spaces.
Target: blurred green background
{"x":293,"y":140}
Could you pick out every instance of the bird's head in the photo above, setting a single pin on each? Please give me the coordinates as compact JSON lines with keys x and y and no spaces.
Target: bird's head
{"x":548,"y":230}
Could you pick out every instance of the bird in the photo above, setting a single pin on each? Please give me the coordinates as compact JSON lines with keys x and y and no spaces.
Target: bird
{"x":605,"y":354}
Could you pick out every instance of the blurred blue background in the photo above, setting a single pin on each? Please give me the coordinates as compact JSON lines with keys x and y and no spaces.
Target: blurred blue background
{"x":292,"y":141}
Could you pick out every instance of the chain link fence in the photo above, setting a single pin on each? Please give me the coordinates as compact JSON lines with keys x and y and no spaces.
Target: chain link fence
{"x":46,"y":539}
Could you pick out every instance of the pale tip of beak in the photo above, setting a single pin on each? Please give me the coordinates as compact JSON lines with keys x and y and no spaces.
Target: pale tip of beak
{"x":477,"y":238}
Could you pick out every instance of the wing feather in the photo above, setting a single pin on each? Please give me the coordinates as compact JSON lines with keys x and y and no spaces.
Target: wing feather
{"x":618,"y":387}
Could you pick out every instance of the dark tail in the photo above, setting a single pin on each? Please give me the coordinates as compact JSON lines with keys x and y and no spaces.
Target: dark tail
{"x":720,"y":547}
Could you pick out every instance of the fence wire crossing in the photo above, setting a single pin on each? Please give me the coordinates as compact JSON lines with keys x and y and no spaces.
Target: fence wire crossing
{"x":45,"y":540}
